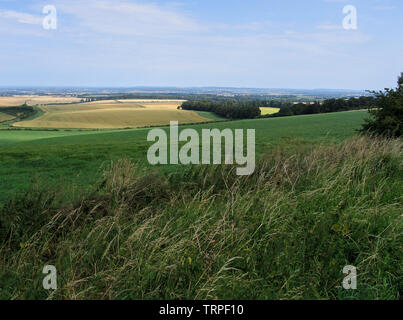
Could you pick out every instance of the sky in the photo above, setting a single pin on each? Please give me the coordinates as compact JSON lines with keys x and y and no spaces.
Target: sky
{"x":190,"y":43}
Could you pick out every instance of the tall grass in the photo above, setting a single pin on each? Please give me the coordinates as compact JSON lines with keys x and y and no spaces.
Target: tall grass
{"x":285,"y":232}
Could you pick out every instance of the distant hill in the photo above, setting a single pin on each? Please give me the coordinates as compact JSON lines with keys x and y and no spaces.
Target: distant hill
{"x":221,"y":91}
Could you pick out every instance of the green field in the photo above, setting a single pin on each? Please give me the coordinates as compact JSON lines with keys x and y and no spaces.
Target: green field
{"x":73,"y":158}
{"x":210,"y":115}
{"x":62,"y":156}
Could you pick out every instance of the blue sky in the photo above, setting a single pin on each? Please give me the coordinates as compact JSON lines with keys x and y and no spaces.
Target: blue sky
{"x":237,"y":43}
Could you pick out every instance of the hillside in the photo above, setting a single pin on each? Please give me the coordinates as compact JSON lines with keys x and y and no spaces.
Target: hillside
{"x":72,"y":159}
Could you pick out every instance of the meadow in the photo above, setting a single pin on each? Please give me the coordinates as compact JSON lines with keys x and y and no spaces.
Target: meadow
{"x":321,"y":198}
{"x":111,"y":114}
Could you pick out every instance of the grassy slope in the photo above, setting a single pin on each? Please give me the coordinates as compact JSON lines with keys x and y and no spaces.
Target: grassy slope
{"x":284,"y":233}
{"x":210,"y":115}
{"x":74,"y":157}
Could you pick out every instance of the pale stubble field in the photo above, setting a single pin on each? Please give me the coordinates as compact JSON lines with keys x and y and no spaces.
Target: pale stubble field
{"x":111,"y":114}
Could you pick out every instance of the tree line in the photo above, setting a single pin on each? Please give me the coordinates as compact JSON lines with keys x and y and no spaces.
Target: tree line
{"x":230,"y":109}
{"x":326,"y":106}
{"x":385,"y":109}
{"x":247,"y":109}
{"x":387,"y":115}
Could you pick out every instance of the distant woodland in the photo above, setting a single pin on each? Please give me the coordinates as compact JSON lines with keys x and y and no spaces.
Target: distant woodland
{"x":247,"y":109}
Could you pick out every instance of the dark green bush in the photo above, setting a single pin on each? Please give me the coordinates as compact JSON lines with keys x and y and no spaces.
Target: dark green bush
{"x":387,"y":116}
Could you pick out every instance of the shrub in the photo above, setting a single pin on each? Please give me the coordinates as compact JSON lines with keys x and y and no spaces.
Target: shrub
{"x":387,"y":116}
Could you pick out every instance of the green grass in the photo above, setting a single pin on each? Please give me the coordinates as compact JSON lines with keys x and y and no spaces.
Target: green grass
{"x":72,"y":159}
{"x":210,"y":115}
{"x":285,"y":232}
{"x":12,"y":137}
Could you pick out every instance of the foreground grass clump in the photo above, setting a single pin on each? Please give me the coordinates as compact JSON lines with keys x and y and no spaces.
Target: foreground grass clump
{"x":285,"y":232}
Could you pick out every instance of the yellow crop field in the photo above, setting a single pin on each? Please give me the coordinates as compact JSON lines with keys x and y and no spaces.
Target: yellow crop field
{"x":268,"y":110}
{"x":34,"y":100}
{"x":5,"y":117}
{"x":112,"y":114}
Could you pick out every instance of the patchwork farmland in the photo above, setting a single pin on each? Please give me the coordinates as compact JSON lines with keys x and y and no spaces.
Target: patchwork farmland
{"x":112,"y":114}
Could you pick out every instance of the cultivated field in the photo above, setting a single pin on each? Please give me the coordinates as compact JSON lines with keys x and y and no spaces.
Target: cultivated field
{"x":112,"y":114}
{"x":268,"y":110}
{"x":34,"y":100}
